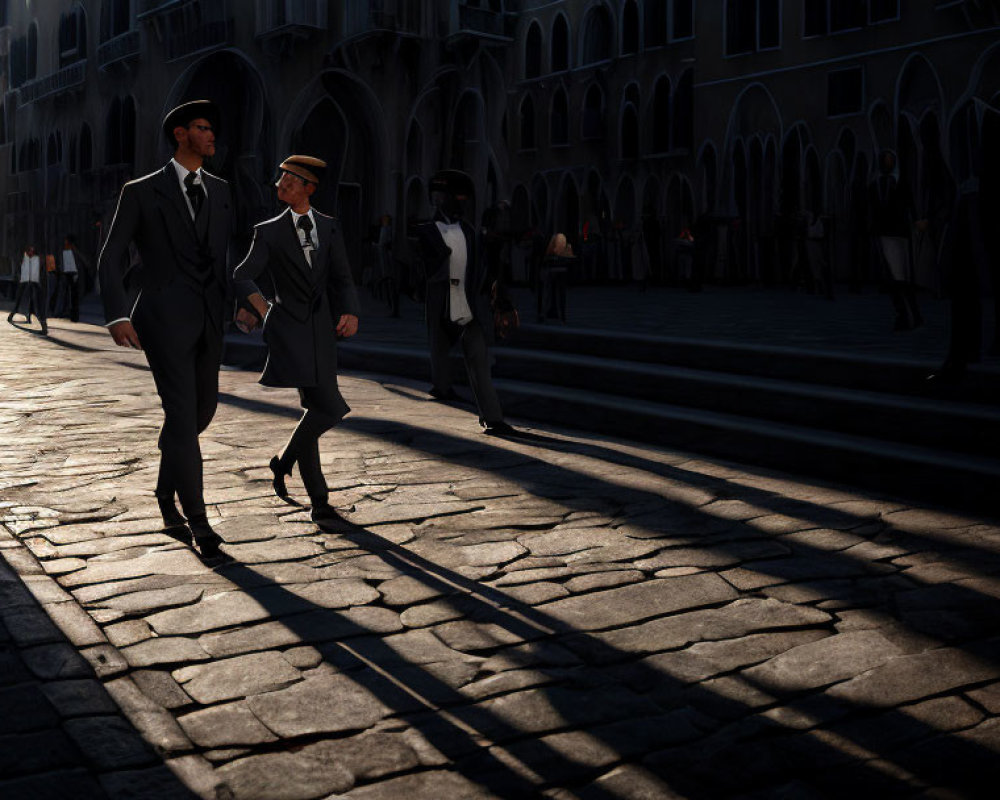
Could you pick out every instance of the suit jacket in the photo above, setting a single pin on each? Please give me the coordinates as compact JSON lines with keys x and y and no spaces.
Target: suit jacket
{"x":307,"y":301}
{"x":434,"y":257}
{"x":181,"y":263}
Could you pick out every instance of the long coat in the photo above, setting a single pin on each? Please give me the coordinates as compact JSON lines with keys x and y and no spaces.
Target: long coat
{"x":306,"y":301}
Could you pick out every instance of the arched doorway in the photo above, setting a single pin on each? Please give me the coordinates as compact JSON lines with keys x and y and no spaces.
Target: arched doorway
{"x":244,"y":153}
{"x":338,"y":119}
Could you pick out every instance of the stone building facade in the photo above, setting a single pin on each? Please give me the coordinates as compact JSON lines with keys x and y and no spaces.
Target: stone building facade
{"x":587,"y":116}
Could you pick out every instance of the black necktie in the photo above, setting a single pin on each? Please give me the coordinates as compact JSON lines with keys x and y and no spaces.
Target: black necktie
{"x":194,"y":192}
{"x":306,"y":226}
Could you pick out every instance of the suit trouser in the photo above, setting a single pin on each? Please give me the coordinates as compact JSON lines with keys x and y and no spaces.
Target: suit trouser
{"x":477,"y":364}
{"x":184,"y":359}
{"x":36,"y":303}
{"x":324,"y":408}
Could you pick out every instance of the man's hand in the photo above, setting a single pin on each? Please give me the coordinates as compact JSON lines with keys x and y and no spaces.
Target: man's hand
{"x":246,"y":321}
{"x":260,"y":305}
{"x":124,"y":334}
{"x":348,"y":326}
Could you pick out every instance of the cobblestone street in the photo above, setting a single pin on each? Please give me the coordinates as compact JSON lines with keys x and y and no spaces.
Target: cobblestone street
{"x":567,"y":617}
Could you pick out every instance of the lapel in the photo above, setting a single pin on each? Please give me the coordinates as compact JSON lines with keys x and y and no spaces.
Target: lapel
{"x":289,"y":239}
{"x":169,"y":188}
{"x":324,"y":233}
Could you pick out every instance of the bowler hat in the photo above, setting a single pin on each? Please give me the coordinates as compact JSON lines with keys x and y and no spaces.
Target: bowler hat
{"x":186,"y":113}
{"x":452,"y":181}
{"x":308,"y":168}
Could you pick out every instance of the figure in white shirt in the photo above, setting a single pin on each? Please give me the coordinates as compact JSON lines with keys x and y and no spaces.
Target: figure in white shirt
{"x":30,"y":284}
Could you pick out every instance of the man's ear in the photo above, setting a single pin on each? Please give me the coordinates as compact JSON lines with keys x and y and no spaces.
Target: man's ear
{"x":310,"y":188}
{"x":179,"y":136}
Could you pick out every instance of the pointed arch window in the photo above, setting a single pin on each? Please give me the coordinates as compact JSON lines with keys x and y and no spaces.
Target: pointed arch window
{"x":598,"y":34}
{"x":560,"y":44}
{"x":655,"y":27}
{"x":560,"y":118}
{"x":630,"y":28}
{"x":533,"y":51}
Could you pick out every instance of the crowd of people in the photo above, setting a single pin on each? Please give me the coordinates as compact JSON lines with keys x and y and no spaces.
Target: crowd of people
{"x":51,"y":285}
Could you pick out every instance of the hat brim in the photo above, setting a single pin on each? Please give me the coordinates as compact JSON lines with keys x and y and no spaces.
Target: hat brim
{"x":183,"y":115}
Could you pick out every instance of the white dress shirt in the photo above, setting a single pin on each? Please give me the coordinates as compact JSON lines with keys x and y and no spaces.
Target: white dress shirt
{"x":182,"y":173}
{"x":306,"y":249}
{"x":454,"y":239}
{"x":31,"y":269}
{"x":69,"y":261}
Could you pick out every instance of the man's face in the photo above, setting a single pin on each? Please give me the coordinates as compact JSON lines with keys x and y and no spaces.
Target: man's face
{"x":198,"y":137}
{"x":450,"y":204}
{"x":31,"y":251}
{"x":293,"y":191}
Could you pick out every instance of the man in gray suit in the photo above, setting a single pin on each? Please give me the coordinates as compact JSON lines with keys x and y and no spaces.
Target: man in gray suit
{"x":179,"y":218}
{"x":458,"y":297}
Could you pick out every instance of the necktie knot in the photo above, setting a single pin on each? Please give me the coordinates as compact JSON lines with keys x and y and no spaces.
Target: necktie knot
{"x":306,"y":225}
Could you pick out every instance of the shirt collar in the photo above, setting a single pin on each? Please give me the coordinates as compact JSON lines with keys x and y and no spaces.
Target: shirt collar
{"x":182,"y":172}
{"x":309,"y":213}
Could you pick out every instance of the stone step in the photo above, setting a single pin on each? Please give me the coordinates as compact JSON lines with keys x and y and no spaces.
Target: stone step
{"x":931,"y":422}
{"x":766,"y":421}
{"x":807,"y":365}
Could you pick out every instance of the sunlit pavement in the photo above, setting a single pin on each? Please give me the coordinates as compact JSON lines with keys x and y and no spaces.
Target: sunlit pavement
{"x":569,"y":616}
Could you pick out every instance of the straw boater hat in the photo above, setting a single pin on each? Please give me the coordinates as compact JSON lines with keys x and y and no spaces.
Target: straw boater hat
{"x":186,"y":113}
{"x":452,"y":181}
{"x":306,"y":167}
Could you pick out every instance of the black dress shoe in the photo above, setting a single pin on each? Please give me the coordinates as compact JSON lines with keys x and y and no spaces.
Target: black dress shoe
{"x":278,"y":478}
{"x":325,"y":514}
{"x":207,"y":542}
{"x":172,"y":518}
{"x":499,"y":428}
{"x":445,"y":396}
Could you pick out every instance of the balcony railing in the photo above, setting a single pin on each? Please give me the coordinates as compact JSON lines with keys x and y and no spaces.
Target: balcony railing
{"x":206,"y":36}
{"x":283,"y":16}
{"x":67,"y":78}
{"x":122,"y":47}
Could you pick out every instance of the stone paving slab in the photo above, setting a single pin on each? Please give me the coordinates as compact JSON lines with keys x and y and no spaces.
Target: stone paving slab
{"x":568,"y":618}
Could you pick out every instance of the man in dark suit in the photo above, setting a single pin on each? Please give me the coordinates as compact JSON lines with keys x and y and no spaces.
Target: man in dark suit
{"x":302,"y":256}
{"x":180,"y":220}
{"x":457,"y":297}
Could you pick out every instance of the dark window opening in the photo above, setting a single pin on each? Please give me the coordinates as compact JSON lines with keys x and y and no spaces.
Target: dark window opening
{"x":883,"y":10}
{"x":533,"y":52}
{"x":655,"y":32}
{"x":681,"y":19}
{"x":560,"y":45}
{"x":846,"y":15}
{"x":597,"y":37}
{"x":814,"y":18}
{"x":630,"y":28}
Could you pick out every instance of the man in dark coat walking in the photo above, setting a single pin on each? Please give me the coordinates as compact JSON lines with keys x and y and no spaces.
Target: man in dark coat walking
{"x":302,"y":254}
{"x":458,"y":297}
{"x":179,"y":219}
